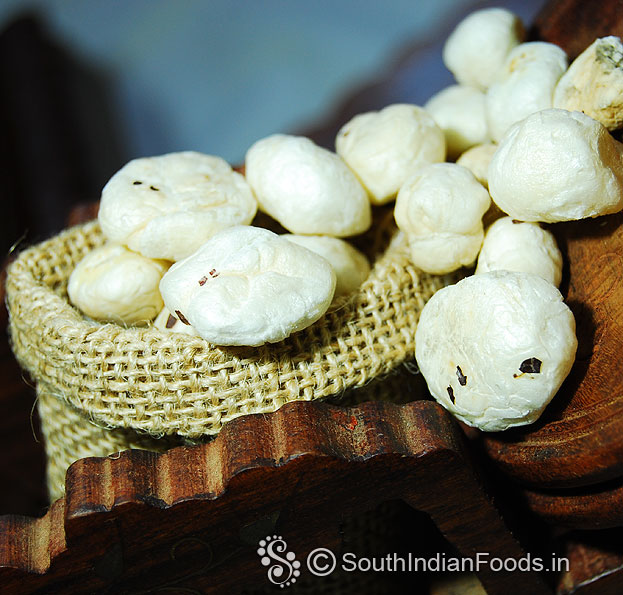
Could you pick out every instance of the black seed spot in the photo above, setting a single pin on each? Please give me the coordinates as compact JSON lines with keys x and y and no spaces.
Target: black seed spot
{"x":154,"y":188}
{"x":462,"y":378}
{"x":137,"y":183}
{"x":182,"y":317}
{"x":516,"y":221}
{"x":451,"y":393}
{"x":171,"y":320}
{"x":203,"y":280}
{"x":531,"y":365}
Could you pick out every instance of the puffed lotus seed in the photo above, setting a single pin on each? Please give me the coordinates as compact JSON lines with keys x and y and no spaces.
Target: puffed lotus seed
{"x":477,"y":160}
{"x":520,"y":246}
{"x":593,"y":83}
{"x":440,"y":209}
{"x":114,"y":284}
{"x":477,"y":48}
{"x":350,"y":265}
{"x":167,"y":206}
{"x":248,"y":286}
{"x":495,"y":348}
{"x":307,"y":188}
{"x":384,"y":148}
{"x":459,"y":110}
{"x":525,"y":86}
{"x":557,"y":166}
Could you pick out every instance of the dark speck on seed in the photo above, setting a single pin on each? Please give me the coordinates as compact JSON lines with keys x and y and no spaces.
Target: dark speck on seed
{"x":154,"y":188}
{"x":182,"y":317}
{"x":462,"y":378}
{"x":451,"y":394}
{"x":137,"y":183}
{"x":531,"y":365}
{"x":517,"y":221}
{"x":171,"y":320}
{"x":203,"y":280}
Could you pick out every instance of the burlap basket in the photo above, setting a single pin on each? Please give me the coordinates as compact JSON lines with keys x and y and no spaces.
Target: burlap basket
{"x":104,"y":388}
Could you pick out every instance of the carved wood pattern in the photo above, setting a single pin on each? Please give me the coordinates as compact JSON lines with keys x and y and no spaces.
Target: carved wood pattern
{"x":139,"y":521}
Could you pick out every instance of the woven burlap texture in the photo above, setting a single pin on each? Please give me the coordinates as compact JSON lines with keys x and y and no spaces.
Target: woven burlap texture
{"x":69,"y":436}
{"x":163,"y":383}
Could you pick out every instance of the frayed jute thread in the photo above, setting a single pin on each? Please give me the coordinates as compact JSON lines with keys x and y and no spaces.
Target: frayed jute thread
{"x":149,"y":388}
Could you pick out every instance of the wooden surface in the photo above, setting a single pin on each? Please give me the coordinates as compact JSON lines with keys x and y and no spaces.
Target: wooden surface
{"x":141,"y":522}
{"x":579,"y":439}
{"x":121,"y":526}
{"x":596,"y":563}
{"x":594,"y":507}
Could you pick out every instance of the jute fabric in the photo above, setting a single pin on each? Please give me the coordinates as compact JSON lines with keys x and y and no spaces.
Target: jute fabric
{"x":159,"y":384}
{"x":68,"y":436}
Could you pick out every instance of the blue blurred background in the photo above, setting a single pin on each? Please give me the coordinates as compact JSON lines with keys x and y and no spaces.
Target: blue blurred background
{"x":217,"y":75}
{"x":87,"y":85}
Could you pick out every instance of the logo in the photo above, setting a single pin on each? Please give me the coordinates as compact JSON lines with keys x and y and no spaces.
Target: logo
{"x":283,"y":567}
{"x":321,"y":561}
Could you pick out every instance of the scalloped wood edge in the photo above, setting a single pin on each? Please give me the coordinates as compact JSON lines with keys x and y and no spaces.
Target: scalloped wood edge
{"x":259,"y":464}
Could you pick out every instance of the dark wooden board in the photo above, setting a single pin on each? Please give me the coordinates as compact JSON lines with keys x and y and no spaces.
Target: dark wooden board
{"x":140,"y":522}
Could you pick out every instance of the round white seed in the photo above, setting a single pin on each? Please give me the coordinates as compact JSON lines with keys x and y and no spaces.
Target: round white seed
{"x":440,"y":209}
{"x":557,"y":166}
{"x":495,"y":348}
{"x":168,"y":206}
{"x":114,"y":284}
{"x":249,"y":286}
{"x":520,"y":246}
{"x":384,"y":148}
{"x":308,"y":189}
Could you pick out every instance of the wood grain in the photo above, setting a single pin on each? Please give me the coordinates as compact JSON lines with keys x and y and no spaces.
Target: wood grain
{"x":594,"y":507}
{"x":575,"y":24}
{"x":595,"y":563}
{"x":140,"y":521}
{"x":579,"y":439}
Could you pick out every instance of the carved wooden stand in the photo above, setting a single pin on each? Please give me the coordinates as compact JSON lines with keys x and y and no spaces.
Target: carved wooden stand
{"x":190,"y":520}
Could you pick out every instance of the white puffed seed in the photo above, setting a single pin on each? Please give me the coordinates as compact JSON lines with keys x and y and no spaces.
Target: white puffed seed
{"x":114,"y":284}
{"x":477,"y":48}
{"x":167,"y":206}
{"x":495,"y":348}
{"x":526,"y":85}
{"x":557,"y":166}
{"x":440,"y":208}
{"x":384,"y":148}
{"x":165,"y":321}
{"x":249,"y":286}
{"x":307,"y":188}
{"x":593,"y":83}
{"x":350,"y":265}
{"x":459,"y":110}
{"x":520,"y":246}
{"x":477,"y":160}
{"x":442,"y":253}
